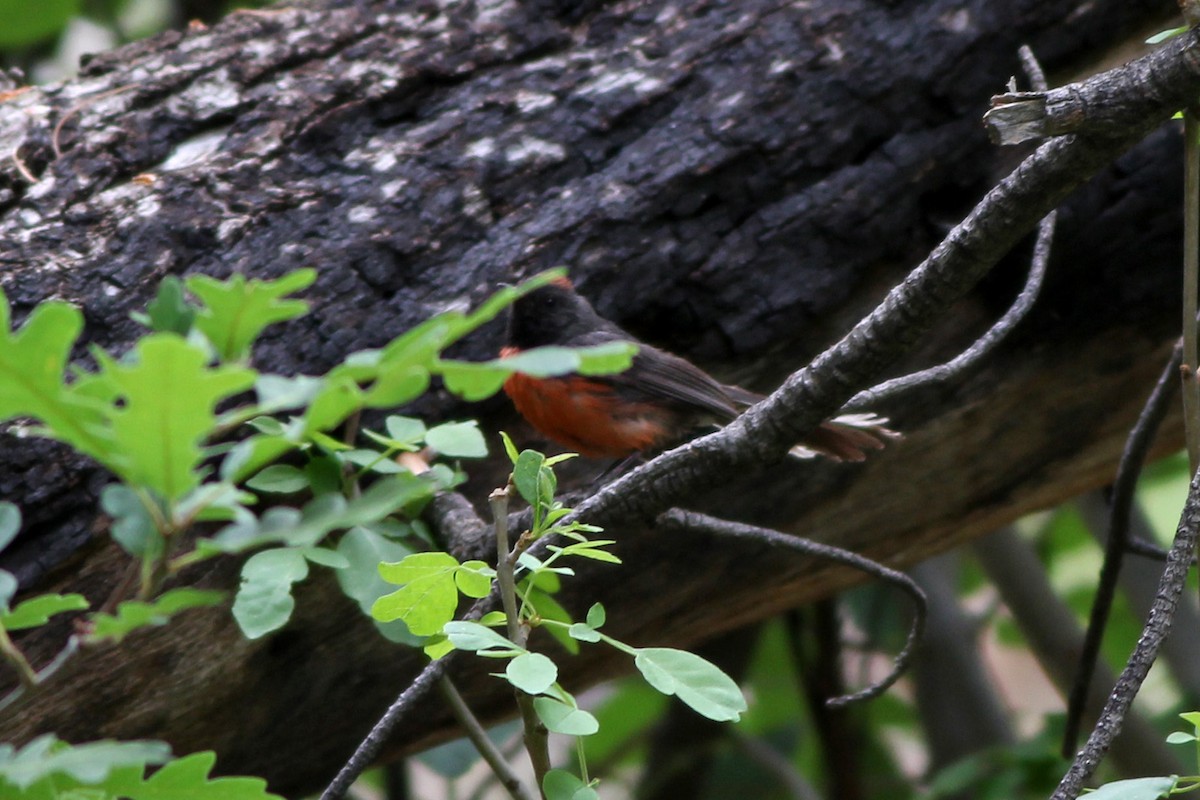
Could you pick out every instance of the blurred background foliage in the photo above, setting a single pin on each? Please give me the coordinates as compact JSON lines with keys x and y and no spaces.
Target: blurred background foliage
{"x":979,"y":717}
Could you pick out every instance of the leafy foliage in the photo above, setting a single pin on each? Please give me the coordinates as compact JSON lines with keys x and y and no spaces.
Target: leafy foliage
{"x":134,"y":614}
{"x":46,"y":757}
{"x":38,"y":610}
{"x":108,"y":770}
{"x":174,"y":421}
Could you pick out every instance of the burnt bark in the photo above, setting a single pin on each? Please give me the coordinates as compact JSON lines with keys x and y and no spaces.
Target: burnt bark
{"x":737,"y":182}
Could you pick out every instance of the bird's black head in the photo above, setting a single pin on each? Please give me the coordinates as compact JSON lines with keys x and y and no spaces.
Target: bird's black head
{"x":552,"y":315}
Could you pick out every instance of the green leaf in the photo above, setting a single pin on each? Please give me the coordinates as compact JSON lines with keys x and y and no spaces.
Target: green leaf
{"x":1170,"y":33}
{"x":1136,"y":789}
{"x":325,"y":557}
{"x":547,"y":362}
{"x":605,"y":359}
{"x":526,"y":475}
{"x":364,"y":549}
{"x":596,"y":616}
{"x":10,"y":523}
{"x":188,"y":779}
{"x":279,"y":479}
{"x":254,"y":453}
{"x":324,"y":514}
{"x":532,"y":673}
{"x":134,"y":614}
{"x":583,"y":632}
{"x":695,"y":681}
{"x":474,"y":579}
{"x":324,"y":474}
{"x":472,"y":636}
{"x":89,"y":763}
{"x":38,"y":610}
{"x":214,"y":501}
{"x":264,"y":600}
{"x":419,"y":566}
{"x":546,"y":607}
{"x":593,"y":549}
{"x":237,"y":310}
{"x":133,"y":527}
{"x":32,"y":373}
{"x":473,"y":381}
{"x":279,"y":393}
{"x":409,"y":430}
{"x":28,"y":22}
{"x":436,"y":646}
{"x":558,"y":784}
{"x":169,"y":311}
{"x":338,"y":398}
{"x":1179,"y":737}
{"x":1192,"y":718}
{"x":562,"y":718}
{"x":457,"y":440}
{"x":396,"y":384}
{"x":428,"y":597}
{"x":372,"y":461}
{"x":170,"y":396}
{"x":509,"y":447}
{"x":544,"y":362}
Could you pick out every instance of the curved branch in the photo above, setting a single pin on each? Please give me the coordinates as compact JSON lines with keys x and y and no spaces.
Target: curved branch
{"x":678,"y":518}
{"x":1148,"y":92}
{"x":961,"y":365}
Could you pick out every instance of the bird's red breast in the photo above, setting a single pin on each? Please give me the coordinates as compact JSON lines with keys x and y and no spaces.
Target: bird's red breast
{"x":586,"y":415}
{"x":660,"y":401}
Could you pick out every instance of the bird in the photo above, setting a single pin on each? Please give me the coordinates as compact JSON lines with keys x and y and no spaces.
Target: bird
{"x":659,"y":402}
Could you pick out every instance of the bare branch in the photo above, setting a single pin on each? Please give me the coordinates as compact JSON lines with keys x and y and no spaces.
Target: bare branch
{"x":962,"y":365}
{"x":1151,"y":88}
{"x":1170,"y":588}
{"x":1121,"y":504}
{"x":478,"y":736}
{"x":1055,"y":636}
{"x":535,"y":734}
{"x":678,"y":518}
{"x":1095,"y":106}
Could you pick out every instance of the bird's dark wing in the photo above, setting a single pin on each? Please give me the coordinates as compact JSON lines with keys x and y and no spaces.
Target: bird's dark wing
{"x":656,"y":376}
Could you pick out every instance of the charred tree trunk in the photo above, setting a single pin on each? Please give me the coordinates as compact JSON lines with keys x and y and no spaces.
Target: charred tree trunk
{"x":734,"y":181}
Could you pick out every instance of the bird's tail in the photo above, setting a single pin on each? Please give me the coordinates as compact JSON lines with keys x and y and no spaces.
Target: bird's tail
{"x":846,"y":438}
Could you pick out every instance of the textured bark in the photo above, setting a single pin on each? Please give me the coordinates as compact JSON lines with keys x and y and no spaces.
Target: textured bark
{"x":737,"y":182}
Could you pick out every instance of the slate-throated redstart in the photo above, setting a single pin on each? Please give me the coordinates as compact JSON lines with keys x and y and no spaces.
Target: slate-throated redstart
{"x":659,"y":402}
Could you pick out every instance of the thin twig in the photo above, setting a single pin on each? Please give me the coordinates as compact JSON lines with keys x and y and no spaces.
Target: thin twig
{"x":369,"y":748}
{"x":1191,"y":284}
{"x":486,"y":747}
{"x":678,"y":518}
{"x":1033,"y":69}
{"x":816,"y":653}
{"x":791,"y":780}
{"x":23,"y":693}
{"x":1128,"y":470}
{"x":21,"y":167}
{"x":1158,"y":624}
{"x":958,"y":367}
{"x":75,"y":109}
{"x":13,"y":655}
{"x":537,"y":738}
